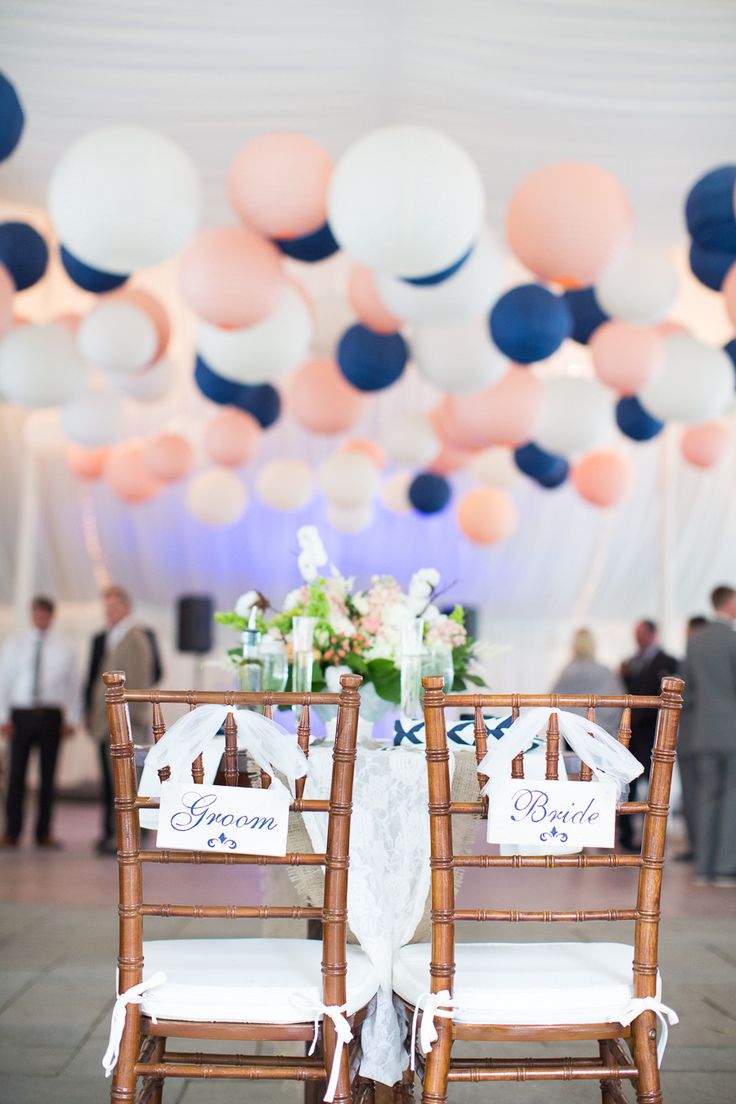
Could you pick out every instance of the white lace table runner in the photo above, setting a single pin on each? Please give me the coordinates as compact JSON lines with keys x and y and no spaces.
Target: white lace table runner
{"x":389,"y":877}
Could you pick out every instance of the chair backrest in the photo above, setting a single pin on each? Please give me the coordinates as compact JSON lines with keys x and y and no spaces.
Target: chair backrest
{"x":132,"y":906}
{"x":649,"y":862}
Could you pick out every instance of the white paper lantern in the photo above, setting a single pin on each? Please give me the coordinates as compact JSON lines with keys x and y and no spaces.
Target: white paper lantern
{"x":470,"y":293}
{"x":411,"y":439}
{"x":124,"y":198}
{"x":395,"y":492}
{"x":349,"y":520}
{"x":40,"y":365}
{"x":149,"y":385}
{"x":495,"y":467}
{"x":348,"y":479}
{"x":640,"y":289}
{"x":406,"y":200}
{"x":117,"y":337}
{"x":458,"y":357}
{"x":216,"y":497}
{"x":578,"y":414}
{"x":285,"y":484}
{"x":694,"y":385}
{"x":94,"y":419}
{"x":264,"y":352}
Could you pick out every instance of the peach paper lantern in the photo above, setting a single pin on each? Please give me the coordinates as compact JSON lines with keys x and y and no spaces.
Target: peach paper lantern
{"x":370,"y":449}
{"x":603,"y":478}
{"x":322,"y":400}
{"x":231,"y":276}
{"x":86,"y":463}
{"x":278,"y":184}
{"x":155,"y":310}
{"x":569,"y":221}
{"x":7,"y":291}
{"x":450,"y":459}
{"x":168,"y":457}
{"x":486,"y":515}
{"x":364,"y":299}
{"x":128,"y":476}
{"x":704,"y":445}
{"x":69,"y":321}
{"x":626,"y":357}
{"x":506,"y":414}
{"x":729,"y":293}
{"x":232,"y":437}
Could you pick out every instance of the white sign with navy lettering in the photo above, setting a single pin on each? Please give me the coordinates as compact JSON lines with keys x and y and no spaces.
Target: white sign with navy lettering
{"x":223,"y":818}
{"x":538,"y":811}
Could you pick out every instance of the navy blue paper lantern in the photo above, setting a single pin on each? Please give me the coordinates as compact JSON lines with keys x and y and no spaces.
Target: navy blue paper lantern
{"x":636,"y":422}
{"x":261,"y":400}
{"x":709,"y":209}
{"x":309,"y":248}
{"x":529,"y":323}
{"x":710,"y":266}
{"x":586,"y":313}
{"x":11,"y":118}
{"x":369,"y":360}
{"x":88,"y":278}
{"x":438,"y":277}
{"x":23,"y":252}
{"x":429,"y":493}
{"x":731,"y":350}
{"x":547,"y":468}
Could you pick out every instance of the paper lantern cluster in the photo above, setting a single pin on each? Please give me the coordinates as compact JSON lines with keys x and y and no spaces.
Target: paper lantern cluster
{"x":423,"y":295}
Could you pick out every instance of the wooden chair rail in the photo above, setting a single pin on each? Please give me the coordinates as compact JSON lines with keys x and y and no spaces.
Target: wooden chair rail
{"x":297,"y":1070}
{"x":543,"y":916}
{"x":234,"y":912}
{"x":238,"y":1059}
{"x":232,"y":698}
{"x":551,"y":701}
{"x":200,"y":858}
{"x":541,"y":1063}
{"x":550,"y":862}
{"x":566,"y":1071}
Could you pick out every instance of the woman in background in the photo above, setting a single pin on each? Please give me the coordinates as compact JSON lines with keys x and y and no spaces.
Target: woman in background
{"x":584,"y":675}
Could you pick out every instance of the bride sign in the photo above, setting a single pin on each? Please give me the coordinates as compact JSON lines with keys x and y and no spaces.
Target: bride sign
{"x":538,"y":811}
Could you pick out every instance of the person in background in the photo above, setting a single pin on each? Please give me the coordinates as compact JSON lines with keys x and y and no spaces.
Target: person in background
{"x":709,"y":671}
{"x":642,"y":675}
{"x":687,"y":763}
{"x":584,"y":675}
{"x":39,"y":704}
{"x":126,"y":648}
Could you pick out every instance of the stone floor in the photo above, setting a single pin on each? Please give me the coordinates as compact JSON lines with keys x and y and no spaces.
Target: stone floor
{"x":57,"y":954}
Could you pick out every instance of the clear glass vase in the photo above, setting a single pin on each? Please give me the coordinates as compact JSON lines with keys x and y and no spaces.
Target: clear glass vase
{"x":412,"y":650}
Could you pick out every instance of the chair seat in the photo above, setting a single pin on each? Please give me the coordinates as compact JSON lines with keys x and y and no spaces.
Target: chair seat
{"x":246,"y":980}
{"x":527,"y":983}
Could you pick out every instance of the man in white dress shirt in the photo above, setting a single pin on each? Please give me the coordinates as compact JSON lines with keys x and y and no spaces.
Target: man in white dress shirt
{"x":39,"y":703}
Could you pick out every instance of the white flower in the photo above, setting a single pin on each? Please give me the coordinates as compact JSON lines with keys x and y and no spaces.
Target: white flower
{"x":246,"y":602}
{"x":421,"y":587}
{"x":293,"y":599}
{"x":312,"y":555}
{"x":431,"y":614}
{"x":361,"y":604}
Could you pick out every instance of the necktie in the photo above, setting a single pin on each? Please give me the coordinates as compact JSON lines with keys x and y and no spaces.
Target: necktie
{"x":36,"y":680}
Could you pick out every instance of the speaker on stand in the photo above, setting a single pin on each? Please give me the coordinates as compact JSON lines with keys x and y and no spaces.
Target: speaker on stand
{"x":194,"y":618}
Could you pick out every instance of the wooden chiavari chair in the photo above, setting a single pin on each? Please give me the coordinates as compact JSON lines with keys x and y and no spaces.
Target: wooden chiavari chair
{"x":234,"y":989}
{"x":525,"y":992}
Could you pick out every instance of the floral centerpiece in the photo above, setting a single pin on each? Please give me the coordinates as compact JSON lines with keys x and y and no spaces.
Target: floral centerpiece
{"x":360,"y":630}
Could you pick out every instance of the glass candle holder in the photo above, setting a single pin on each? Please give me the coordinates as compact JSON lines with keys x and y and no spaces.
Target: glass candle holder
{"x":303,"y":662}
{"x":412,"y":649}
{"x":438,"y":661}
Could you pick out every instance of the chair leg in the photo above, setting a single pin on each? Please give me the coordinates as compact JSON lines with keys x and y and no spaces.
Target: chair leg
{"x":404,"y":1089}
{"x":157,"y":1089}
{"x":611,"y":1091}
{"x":434,"y":1090}
{"x":123,"y":1077}
{"x":644,"y":1039}
{"x":342,"y":1091}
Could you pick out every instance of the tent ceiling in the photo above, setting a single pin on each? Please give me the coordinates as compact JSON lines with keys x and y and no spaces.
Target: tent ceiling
{"x":643,"y":87}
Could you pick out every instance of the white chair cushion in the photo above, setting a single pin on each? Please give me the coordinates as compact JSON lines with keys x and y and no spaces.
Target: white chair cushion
{"x":527,"y":983}
{"x":245,"y":980}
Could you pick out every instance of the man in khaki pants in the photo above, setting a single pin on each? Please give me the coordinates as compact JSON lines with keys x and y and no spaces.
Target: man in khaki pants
{"x":126,"y":648}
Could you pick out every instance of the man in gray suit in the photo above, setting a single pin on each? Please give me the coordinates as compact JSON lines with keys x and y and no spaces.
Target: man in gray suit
{"x":709,"y":671}
{"x":127,"y":648}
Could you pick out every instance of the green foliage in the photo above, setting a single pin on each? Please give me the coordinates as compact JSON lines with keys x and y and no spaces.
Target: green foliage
{"x":386,"y":677}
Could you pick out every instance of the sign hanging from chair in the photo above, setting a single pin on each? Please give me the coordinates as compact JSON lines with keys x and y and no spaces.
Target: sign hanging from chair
{"x":223,"y":818}
{"x":540,"y":811}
